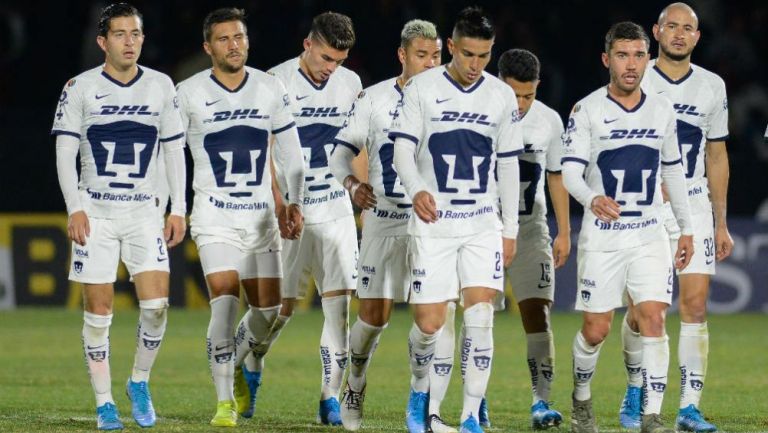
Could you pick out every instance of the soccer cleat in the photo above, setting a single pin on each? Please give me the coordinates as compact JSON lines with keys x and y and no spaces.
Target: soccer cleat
{"x":542,"y":417}
{"x":416,"y":412}
{"x":690,"y":419}
{"x":226,"y":415}
{"x":437,"y":425}
{"x":482,"y":414}
{"x":582,"y":417}
{"x":141,"y":403}
{"x":652,"y":424}
{"x":329,"y":412}
{"x":107,"y":417}
{"x":247,"y":384}
{"x":631,"y":409}
{"x":470,"y":425}
{"x":352,"y":408}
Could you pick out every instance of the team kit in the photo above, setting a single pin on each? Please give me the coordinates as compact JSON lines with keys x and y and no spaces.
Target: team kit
{"x":453,"y":205}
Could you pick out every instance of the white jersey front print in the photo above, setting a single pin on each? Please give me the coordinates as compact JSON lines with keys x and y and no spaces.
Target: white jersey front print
{"x":368,"y":127}
{"x":228,"y":135}
{"x":623,"y":151}
{"x":459,"y":133}
{"x":120,"y":127}
{"x":320,"y":111}
{"x":701,"y":109}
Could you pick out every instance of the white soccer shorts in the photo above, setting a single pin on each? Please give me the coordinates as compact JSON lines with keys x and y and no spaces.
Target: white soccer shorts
{"x":440,"y":267}
{"x":383,"y":269}
{"x":139,"y":242}
{"x":703,"y":260}
{"x":606,"y":277}
{"x":252,"y":253}
{"x":532,"y":272}
{"x":326,"y":252}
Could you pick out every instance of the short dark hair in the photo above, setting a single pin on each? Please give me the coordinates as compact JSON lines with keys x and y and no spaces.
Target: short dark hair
{"x":334,"y":29}
{"x":520,"y":65}
{"x":116,"y":10}
{"x":222,"y":15}
{"x":473,"y":23}
{"x":625,"y":30}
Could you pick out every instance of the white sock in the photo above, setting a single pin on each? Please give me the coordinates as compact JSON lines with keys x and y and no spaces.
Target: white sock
{"x":692,"y":355}
{"x":334,"y":344}
{"x":655,"y":367}
{"x":584,"y":364}
{"x":244,"y":341}
{"x":153,"y":315}
{"x":442,"y":363}
{"x":421,"y":349}
{"x":476,"y":356}
{"x":541,"y":364}
{"x":363,"y":339}
{"x":96,"y":348}
{"x":221,"y":344}
{"x":633,"y":354}
{"x":255,"y":360}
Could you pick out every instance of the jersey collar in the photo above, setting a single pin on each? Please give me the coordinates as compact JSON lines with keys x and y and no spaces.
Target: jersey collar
{"x":670,"y":80}
{"x":633,"y":109}
{"x":128,"y":84}
{"x":469,"y":89}
{"x":236,"y":89}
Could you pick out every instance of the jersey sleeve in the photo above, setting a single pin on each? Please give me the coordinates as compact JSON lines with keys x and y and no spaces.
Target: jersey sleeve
{"x":184,"y":105}
{"x":555,"y":143}
{"x":670,"y":150}
{"x":718,"y":128}
{"x":510,"y":142}
{"x":282,"y":117}
{"x":68,"y":119}
{"x":171,"y":128}
{"x":576,"y":140}
{"x":354,"y":133}
{"x":407,"y":121}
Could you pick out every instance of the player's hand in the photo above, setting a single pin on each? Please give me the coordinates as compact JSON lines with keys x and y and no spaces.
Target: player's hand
{"x":425,"y":207}
{"x":362,"y":195}
{"x":78,"y":227}
{"x":605,"y":208}
{"x":175,"y":230}
{"x":294,"y":221}
{"x":723,"y":243}
{"x":282,"y":221}
{"x":509,"y":246}
{"x":561,"y":249}
{"x":684,"y":252}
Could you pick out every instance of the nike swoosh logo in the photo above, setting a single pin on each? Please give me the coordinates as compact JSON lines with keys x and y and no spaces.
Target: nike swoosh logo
{"x":442,"y":359}
{"x":482,"y":350}
{"x":440,"y":101}
{"x":659,"y":93}
{"x":95,"y":347}
{"x":606,"y":121}
{"x":208,"y":104}
{"x":161,"y":259}
{"x":709,"y":261}
{"x":544,"y":286}
{"x":223,"y":347}
{"x":102,"y":96}
{"x":299,"y":98}
{"x":696,"y":375}
{"x":496,"y":277}
{"x":658,"y":378}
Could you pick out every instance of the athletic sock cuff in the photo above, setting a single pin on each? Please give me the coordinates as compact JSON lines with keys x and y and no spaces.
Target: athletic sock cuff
{"x":694,"y":329}
{"x":224,"y":297}
{"x":97,"y":320}
{"x":655,"y":340}
{"x":153,"y":304}
{"x":539,"y":337}
{"x":479,"y":315}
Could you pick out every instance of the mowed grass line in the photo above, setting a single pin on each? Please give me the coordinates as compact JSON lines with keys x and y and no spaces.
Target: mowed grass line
{"x":44,"y":385}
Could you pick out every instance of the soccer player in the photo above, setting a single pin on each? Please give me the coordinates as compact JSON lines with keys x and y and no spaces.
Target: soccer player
{"x":322,"y":93}
{"x":118,"y":116}
{"x":455,"y":123}
{"x":230,"y":111}
{"x":701,"y":109}
{"x":383,"y":266}
{"x":620,"y":144}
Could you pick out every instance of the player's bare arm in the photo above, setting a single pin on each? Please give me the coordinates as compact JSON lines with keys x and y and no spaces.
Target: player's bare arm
{"x":361,"y":193}
{"x":509,"y":247}
{"x":717,"y":175}
{"x":561,"y":247}
{"x":175,"y":229}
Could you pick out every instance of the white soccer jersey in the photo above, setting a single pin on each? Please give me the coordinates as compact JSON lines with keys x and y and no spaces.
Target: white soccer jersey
{"x":368,"y":126}
{"x":320,"y":111}
{"x":120,"y":127}
{"x":228,"y":135}
{"x":623,"y":151}
{"x":701,"y":108}
{"x":542,"y":141}
{"x":459,"y":133}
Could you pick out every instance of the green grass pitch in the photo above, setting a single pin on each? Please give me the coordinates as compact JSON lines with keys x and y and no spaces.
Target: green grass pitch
{"x":44,"y":386}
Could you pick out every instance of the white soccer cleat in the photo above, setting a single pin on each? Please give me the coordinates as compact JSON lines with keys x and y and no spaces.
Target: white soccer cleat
{"x":437,"y":425}
{"x":352,"y":408}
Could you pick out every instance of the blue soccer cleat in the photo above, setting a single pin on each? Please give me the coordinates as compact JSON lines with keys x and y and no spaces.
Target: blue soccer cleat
{"x":416,"y":412}
{"x":631,"y":408}
{"x":482,"y":414}
{"x":542,"y":417}
{"x":470,"y":425}
{"x":107,"y":417}
{"x":247,"y":385}
{"x":690,"y":419}
{"x":141,"y":403}
{"x":329,"y":412}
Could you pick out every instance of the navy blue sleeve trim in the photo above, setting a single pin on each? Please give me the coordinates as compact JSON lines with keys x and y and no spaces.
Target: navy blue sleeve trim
{"x":555,"y":171}
{"x":354,"y":149}
{"x":509,"y":154}
{"x":395,"y":135}
{"x":574,"y":159}
{"x":286,"y":127}
{"x":62,"y":132}
{"x":718,"y":138}
{"x":675,"y":162}
{"x":175,"y":137}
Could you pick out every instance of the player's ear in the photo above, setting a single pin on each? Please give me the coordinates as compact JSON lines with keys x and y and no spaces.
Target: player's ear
{"x":102,"y":42}
{"x":655,"y":31}
{"x":450,"y":45}
{"x":207,"y":48}
{"x":401,"y":55}
{"x":605,"y":59}
{"x":307,"y":44}
{"x":696,"y":36}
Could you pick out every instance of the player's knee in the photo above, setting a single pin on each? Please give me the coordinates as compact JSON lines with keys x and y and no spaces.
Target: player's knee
{"x":693,"y":310}
{"x":595,"y":333}
{"x":479,"y":315}
{"x":154,"y":310}
{"x":429,"y":326}
{"x":97,"y":323}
